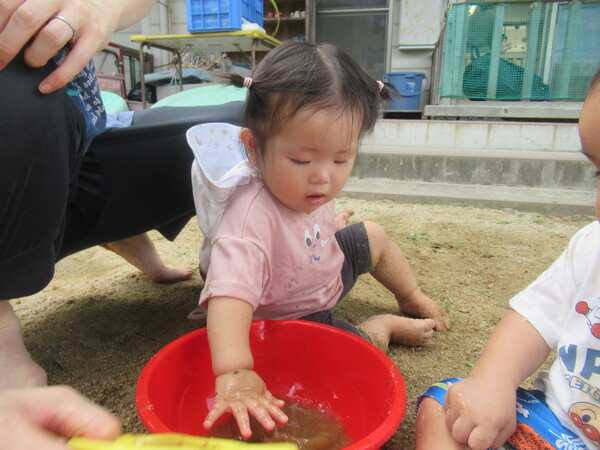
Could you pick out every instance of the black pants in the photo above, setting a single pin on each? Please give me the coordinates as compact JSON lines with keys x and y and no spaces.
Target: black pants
{"x":55,"y":200}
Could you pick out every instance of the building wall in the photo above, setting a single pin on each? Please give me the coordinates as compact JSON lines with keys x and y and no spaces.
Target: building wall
{"x":165,"y":17}
{"x":414,"y":30}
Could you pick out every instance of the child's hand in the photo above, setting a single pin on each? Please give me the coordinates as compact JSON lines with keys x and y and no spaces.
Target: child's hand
{"x":243,"y":391}
{"x":481,"y":413}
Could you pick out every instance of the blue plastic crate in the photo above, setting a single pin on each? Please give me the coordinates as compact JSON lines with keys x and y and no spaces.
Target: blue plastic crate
{"x":222,"y":15}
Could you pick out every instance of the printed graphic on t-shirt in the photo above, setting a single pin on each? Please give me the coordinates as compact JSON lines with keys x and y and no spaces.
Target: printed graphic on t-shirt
{"x":84,"y":91}
{"x":592,"y":315}
{"x":586,"y":417}
{"x":314,"y":242}
{"x":582,"y":371}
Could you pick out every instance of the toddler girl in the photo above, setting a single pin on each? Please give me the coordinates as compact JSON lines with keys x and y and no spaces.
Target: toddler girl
{"x":276,"y":253}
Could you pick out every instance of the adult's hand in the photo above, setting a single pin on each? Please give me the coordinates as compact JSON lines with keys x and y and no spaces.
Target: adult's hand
{"x":84,"y":24}
{"x":46,"y":417}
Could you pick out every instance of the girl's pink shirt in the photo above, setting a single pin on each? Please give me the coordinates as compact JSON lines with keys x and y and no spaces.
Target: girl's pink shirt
{"x":284,"y":263}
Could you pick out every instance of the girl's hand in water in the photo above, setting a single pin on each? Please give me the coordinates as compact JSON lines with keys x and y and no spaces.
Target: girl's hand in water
{"x":241,"y":392}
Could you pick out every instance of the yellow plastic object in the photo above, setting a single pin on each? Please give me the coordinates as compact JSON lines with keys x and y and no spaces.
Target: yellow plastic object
{"x":171,"y":441}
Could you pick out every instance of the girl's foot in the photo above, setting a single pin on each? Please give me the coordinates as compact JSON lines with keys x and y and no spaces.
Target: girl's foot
{"x":386,"y":328}
{"x":420,"y":305}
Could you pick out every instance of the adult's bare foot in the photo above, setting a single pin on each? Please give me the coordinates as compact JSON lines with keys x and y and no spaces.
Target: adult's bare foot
{"x":168,"y":274}
{"x":420,"y":305}
{"x":140,"y":252}
{"x":386,"y":328}
{"x":342,"y":218}
{"x":17,"y":369}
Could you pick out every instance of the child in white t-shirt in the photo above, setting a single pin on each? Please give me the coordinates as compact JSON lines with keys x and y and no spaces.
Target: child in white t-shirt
{"x":276,"y":253}
{"x":559,"y":311}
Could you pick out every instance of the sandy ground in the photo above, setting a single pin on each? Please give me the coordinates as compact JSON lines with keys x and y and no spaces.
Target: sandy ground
{"x":99,"y":321}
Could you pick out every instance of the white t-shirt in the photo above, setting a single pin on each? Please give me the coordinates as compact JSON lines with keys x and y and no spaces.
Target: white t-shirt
{"x":286,"y":264}
{"x":563,"y":304}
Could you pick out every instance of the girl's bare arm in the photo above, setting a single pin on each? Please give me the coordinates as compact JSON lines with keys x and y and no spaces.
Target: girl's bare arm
{"x":239,"y":389}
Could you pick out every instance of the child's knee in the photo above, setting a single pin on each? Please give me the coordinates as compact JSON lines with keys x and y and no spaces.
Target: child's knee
{"x":430,"y":417}
{"x":378,"y":238}
{"x":429,"y":404}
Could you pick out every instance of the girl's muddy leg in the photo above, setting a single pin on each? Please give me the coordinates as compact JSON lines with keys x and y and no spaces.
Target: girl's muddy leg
{"x":392,"y":269}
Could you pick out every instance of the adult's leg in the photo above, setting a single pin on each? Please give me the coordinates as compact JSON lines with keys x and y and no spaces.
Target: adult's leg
{"x":17,"y":369}
{"x":40,"y":138}
{"x":137,"y":179}
{"x":140,"y":252}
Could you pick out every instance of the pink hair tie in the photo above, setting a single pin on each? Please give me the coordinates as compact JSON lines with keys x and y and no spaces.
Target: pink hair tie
{"x":380,"y":84}
{"x":247,"y":82}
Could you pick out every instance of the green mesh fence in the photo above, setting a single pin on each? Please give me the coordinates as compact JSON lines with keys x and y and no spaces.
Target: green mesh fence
{"x":520,"y":50}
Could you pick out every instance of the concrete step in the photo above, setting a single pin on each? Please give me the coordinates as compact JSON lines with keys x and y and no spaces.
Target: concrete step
{"x":443,"y":134}
{"x":453,"y":108}
{"x":527,"y":166}
{"x":475,"y":152}
{"x":541,"y":169}
{"x":549,"y":201}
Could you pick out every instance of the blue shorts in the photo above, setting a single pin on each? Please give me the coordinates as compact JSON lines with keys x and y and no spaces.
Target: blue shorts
{"x":537,"y":426}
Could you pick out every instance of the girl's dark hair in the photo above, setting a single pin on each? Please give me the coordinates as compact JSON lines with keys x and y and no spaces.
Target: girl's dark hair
{"x":298,"y":75}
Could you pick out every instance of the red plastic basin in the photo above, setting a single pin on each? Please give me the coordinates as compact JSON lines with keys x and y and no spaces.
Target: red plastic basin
{"x":299,"y":360}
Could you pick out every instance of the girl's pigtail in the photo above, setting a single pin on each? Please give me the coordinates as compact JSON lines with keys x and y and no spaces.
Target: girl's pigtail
{"x":387,"y":91}
{"x":232,"y":79}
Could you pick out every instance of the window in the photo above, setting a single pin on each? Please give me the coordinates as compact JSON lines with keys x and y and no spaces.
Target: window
{"x":359,"y":27}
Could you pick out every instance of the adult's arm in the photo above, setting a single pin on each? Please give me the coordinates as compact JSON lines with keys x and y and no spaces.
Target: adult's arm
{"x":29,"y":24}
